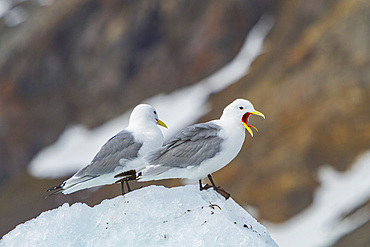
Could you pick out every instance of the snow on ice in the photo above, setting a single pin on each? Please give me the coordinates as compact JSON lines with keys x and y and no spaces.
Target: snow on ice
{"x":151,"y":216}
{"x":322,"y":223}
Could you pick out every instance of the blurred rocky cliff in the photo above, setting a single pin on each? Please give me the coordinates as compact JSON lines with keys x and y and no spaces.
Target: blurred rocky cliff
{"x":87,"y":61}
{"x":79,"y":61}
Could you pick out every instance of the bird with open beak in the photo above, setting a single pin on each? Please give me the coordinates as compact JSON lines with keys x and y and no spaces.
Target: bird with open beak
{"x":201,"y":149}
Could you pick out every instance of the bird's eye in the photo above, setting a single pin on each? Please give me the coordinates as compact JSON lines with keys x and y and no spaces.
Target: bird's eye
{"x":155,"y":112}
{"x":241,"y":107}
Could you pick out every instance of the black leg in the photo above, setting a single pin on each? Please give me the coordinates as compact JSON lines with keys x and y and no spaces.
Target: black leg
{"x":220,"y":190}
{"x":128,"y":186}
{"x":213,"y":184}
{"x":205,"y":187}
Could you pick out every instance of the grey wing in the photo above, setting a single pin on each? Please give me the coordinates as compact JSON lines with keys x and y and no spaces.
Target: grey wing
{"x":190,"y":147}
{"x":120,"y":146}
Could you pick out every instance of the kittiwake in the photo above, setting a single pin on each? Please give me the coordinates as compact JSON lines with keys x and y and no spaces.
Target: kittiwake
{"x":201,"y":149}
{"x":121,"y":153}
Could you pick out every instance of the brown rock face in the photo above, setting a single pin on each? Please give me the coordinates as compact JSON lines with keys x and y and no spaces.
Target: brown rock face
{"x":88,"y":61}
{"x":81,"y":61}
{"x":313,"y":85}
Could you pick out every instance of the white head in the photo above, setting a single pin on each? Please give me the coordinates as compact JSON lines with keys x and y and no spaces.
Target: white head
{"x":145,"y":115}
{"x":239,"y":111}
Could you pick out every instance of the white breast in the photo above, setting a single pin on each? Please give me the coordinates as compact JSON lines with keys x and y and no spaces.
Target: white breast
{"x":233,"y":137}
{"x":152,"y":138}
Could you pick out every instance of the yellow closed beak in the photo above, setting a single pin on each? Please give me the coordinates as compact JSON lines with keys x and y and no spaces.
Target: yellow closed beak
{"x":159,"y":122}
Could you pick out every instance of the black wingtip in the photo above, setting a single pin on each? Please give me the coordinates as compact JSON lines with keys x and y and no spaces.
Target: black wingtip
{"x":54,"y":193}
{"x":55,"y":190}
{"x":126,"y":176}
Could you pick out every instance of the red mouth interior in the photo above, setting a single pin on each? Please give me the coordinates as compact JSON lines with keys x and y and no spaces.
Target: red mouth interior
{"x":246,"y":117}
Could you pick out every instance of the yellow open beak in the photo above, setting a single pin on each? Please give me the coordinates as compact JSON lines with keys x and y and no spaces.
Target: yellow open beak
{"x":245,"y":121}
{"x":159,"y":122}
{"x":258,"y":114}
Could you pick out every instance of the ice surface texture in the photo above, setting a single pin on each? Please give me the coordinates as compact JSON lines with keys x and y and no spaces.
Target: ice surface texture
{"x":151,"y":216}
